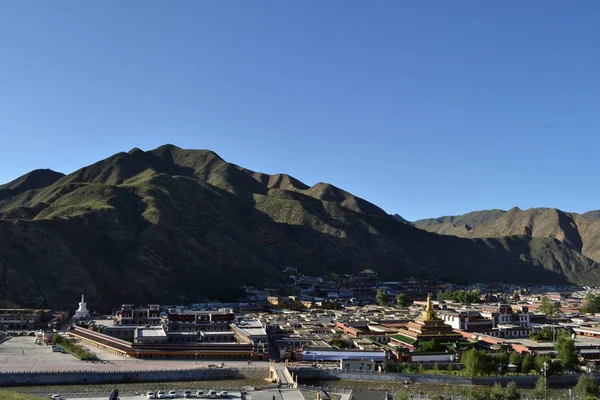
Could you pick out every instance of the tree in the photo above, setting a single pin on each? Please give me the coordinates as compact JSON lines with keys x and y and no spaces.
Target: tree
{"x":460,"y":296}
{"x":515,"y":359}
{"x":479,"y":393}
{"x":527,"y":364}
{"x":444,"y":295}
{"x":381,"y":297}
{"x":499,"y":363}
{"x":592,"y":304}
{"x":497,"y":392}
{"x":543,"y":335}
{"x":587,"y":386}
{"x":402,"y":300}
{"x":549,"y":307}
{"x":539,"y":392}
{"x":567,"y":352}
{"x":554,"y":368}
{"x":338,"y":342}
{"x":430,"y":346}
{"x":475,"y":363}
{"x":511,"y":392}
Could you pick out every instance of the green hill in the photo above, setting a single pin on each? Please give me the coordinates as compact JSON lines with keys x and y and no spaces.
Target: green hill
{"x":580,"y":232}
{"x":173,"y":225}
{"x":36,"y":179}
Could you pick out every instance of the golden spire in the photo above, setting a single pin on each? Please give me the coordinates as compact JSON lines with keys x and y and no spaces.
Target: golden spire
{"x":429,"y":313}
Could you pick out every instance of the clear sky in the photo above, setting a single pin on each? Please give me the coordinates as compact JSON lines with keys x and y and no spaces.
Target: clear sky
{"x":425,"y":108}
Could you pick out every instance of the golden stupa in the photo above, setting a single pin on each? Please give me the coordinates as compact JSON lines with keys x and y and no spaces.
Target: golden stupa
{"x":428,"y":327}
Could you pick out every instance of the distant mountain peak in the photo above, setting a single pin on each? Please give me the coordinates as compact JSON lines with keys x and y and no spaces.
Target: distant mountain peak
{"x":36,"y":179}
{"x":135,"y":150}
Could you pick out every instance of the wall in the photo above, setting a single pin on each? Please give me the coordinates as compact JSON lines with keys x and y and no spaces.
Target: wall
{"x":419,"y":358}
{"x":316,"y":374}
{"x":65,"y":378}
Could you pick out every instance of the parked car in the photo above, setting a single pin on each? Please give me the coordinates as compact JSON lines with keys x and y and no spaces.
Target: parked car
{"x":223,"y":393}
{"x":212,"y":394}
{"x":200,"y":394}
{"x":55,"y":396}
{"x":172,"y":394}
{"x":187,"y":394}
{"x":160,"y":394}
{"x":150,"y":395}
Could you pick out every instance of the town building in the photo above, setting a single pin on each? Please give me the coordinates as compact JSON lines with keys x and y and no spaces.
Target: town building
{"x":131,"y":315}
{"x":20,"y":319}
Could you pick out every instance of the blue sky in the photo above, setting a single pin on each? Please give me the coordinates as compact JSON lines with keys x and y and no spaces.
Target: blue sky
{"x":424,"y":108}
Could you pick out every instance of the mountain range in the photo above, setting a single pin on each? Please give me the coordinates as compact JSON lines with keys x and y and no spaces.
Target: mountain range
{"x":580,"y":232}
{"x":174,"y":226}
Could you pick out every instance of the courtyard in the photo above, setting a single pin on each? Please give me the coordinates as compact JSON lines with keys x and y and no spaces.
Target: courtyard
{"x":21,"y":354}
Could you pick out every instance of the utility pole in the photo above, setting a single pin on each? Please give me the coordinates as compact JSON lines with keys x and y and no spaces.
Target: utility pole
{"x":545,"y":369}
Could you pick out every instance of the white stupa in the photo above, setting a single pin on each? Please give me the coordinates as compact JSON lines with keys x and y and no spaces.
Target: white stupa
{"x":82,"y":312}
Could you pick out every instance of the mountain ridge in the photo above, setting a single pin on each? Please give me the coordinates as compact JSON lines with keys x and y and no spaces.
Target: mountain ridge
{"x":581,"y":231}
{"x":134,"y":225}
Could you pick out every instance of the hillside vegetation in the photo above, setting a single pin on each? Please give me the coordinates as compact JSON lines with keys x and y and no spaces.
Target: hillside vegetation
{"x":175,"y":226}
{"x":579,"y":232}
{"x":7,"y":395}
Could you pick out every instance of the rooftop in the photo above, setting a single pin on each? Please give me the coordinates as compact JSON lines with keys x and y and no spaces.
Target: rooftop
{"x":151,"y":333}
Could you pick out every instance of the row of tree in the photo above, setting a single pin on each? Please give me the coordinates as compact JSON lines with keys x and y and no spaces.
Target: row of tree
{"x":482,"y":363}
{"x":382,"y":299}
{"x":74,"y":348}
{"x":547,"y":334}
{"x":460,"y":296}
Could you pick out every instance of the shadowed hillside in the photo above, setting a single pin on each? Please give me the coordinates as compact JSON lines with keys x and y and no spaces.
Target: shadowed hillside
{"x":580,"y":232}
{"x":173,"y":225}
